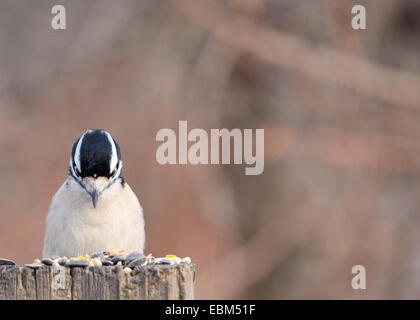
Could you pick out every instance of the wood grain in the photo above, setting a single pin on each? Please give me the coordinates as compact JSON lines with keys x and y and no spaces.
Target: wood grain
{"x":151,"y":282}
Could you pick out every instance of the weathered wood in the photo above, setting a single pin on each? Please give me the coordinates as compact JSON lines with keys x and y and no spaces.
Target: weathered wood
{"x":61,"y":283}
{"x":43,"y":283}
{"x":26,"y":284}
{"x":149,"y":282}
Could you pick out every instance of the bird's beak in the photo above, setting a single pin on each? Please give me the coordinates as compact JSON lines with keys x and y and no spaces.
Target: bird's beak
{"x":94,"y":194}
{"x":94,"y":187}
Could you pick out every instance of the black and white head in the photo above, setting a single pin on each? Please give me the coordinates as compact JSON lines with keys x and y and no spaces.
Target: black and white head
{"x":95,"y":162}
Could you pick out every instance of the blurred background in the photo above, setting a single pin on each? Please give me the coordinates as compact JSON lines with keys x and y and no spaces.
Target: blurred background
{"x":340,"y":109}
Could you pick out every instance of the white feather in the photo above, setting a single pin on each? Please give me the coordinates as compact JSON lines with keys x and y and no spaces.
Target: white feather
{"x":75,"y":228}
{"x":114,"y":157}
{"x":77,"y":152}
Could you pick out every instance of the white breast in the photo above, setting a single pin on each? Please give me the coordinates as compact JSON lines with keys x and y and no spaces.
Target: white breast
{"x":74,"y":227}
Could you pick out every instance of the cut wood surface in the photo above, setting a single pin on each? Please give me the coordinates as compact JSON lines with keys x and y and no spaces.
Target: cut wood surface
{"x":151,"y":282}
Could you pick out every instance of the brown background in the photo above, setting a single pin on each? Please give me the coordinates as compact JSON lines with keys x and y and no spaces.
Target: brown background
{"x":340,"y":109}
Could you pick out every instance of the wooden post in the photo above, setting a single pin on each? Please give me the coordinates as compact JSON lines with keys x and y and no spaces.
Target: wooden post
{"x":148,"y":282}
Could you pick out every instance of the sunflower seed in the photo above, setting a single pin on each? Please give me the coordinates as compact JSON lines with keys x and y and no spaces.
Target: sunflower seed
{"x":6,"y":262}
{"x":136,"y":262}
{"x":47,"y":261}
{"x":118,"y":258}
{"x":134,"y":256}
{"x":107,"y":262}
{"x":97,"y":255}
{"x":35,"y":265}
{"x":162,"y":261}
{"x":77,"y":263}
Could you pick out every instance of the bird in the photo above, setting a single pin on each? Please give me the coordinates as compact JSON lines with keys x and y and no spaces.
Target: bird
{"x":95,"y":209}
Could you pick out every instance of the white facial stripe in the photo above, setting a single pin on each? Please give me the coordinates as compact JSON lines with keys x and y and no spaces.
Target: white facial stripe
{"x":119,"y":169}
{"x":77,"y":152}
{"x":117,"y":174}
{"x":114,"y":156}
